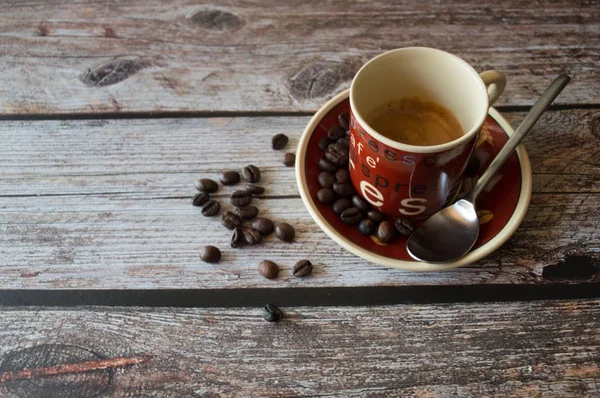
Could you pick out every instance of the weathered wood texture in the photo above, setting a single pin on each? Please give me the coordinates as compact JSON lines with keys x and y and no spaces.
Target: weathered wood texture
{"x":270,"y":55}
{"x":537,"y":349}
{"x":106,"y":204}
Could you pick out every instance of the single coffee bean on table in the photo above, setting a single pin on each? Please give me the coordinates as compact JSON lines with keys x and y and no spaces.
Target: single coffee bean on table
{"x":240,"y":198}
{"x":211,"y":208}
{"x":352,"y":216}
{"x":341,"y":204}
{"x":386,"y":232}
{"x":251,"y":236}
{"x":325,"y":196}
{"x":279,"y":141}
{"x":302,"y":268}
{"x":335,"y":133}
{"x":246,"y":212}
{"x":326,"y":165}
{"x":206,"y":185}
{"x":272,"y":313}
{"x":344,"y":120}
{"x":263,"y":225}
{"x":210,"y":254}
{"x":404,"y":226}
{"x":200,"y":199}
{"x":251,"y":173}
{"x":344,"y":190}
{"x":344,"y":143}
{"x":254,"y":190}
{"x":359,"y":202}
{"x":376,"y":216}
{"x":337,"y":155}
{"x":326,"y":179}
{"x":237,"y":238}
{"x":229,"y":177}
{"x":285,"y":232}
{"x":343,"y":176}
{"x":289,"y":159}
{"x":268,"y":269}
{"x":231,"y":220}
{"x":367,"y":227}
{"x":324,"y":143}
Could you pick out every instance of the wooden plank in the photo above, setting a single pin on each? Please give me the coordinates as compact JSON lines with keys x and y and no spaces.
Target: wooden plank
{"x":106,"y":204}
{"x":266,"y":55}
{"x":544,"y":348}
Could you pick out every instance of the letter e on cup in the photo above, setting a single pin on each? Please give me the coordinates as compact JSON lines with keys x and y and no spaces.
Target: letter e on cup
{"x":371,"y":194}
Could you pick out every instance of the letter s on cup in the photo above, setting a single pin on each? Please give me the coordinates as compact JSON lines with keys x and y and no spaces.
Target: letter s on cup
{"x":371,"y":194}
{"x":410,"y":204}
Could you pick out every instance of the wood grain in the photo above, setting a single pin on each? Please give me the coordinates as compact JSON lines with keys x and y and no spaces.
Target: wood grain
{"x":266,"y":55}
{"x":106,"y":204}
{"x":544,"y":348}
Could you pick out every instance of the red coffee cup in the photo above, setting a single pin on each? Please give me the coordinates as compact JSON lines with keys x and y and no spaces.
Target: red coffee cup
{"x":407,"y":180}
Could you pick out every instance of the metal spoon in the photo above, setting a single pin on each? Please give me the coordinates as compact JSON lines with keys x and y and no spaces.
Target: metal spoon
{"x":451,"y":232}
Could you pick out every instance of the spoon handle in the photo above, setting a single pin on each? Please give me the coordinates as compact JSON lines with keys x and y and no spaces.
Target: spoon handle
{"x":532,"y":117}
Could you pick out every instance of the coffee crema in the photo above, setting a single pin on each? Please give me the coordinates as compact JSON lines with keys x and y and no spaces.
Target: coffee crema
{"x":414,"y":121}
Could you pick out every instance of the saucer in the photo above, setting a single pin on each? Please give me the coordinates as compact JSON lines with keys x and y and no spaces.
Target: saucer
{"x":501,"y":207}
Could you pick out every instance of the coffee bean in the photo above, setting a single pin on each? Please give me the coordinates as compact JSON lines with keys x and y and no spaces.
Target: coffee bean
{"x":268,"y":269}
{"x":254,"y":190}
{"x":344,"y":120}
{"x":343,"y":176}
{"x":404,"y":226}
{"x":343,"y":190}
{"x":210,"y":254}
{"x":335,"y":133}
{"x":229,"y":177}
{"x":201,"y":198}
{"x":240,"y":198}
{"x":251,"y":173}
{"x":251,"y":236}
{"x":303,"y":268}
{"x":231,"y":221}
{"x":341,"y":204}
{"x":279,"y":141}
{"x":376,"y":216}
{"x":326,"y":179}
{"x":206,"y":185}
{"x":324,"y":143}
{"x":344,"y":143}
{"x":326,"y":165}
{"x":386,"y":233}
{"x":272,"y":313}
{"x":289,"y":159}
{"x":325,"y":196}
{"x":246,"y":212}
{"x":237,"y":238}
{"x":359,"y":202}
{"x":211,"y":208}
{"x":367,"y":227}
{"x":337,"y":155}
{"x":263,"y":225}
{"x":285,"y":232}
{"x":352,"y":216}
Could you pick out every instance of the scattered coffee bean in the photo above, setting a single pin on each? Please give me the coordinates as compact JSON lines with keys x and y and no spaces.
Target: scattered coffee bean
{"x":268,"y":269}
{"x":272,"y":313}
{"x":229,"y":177}
{"x":341,"y":204}
{"x":326,"y":165}
{"x":359,"y":202}
{"x":210,"y":254}
{"x":240,"y":198}
{"x":263,"y":225}
{"x":344,"y":143}
{"x":325,"y":196}
{"x":343,"y":190}
{"x":352,"y":216}
{"x":211,"y":208}
{"x":255,"y":190}
{"x":337,"y":155}
{"x":206,"y":185}
{"x":279,"y":141}
{"x":237,"y":238}
{"x":386,"y":233}
{"x":324,"y":143}
{"x":285,"y":232}
{"x":303,"y":268}
{"x":344,"y":120}
{"x":376,"y":216}
{"x":201,"y":198}
{"x":404,"y":226}
{"x":289,"y":159}
{"x":246,"y":212}
{"x":251,"y":173}
{"x":231,"y":221}
{"x":335,"y":133}
{"x":367,"y":226}
{"x":326,"y":179}
{"x":251,"y":236}
{"x":343,"y":176}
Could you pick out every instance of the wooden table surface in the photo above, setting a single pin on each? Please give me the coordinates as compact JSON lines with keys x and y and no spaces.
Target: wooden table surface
{"x":111,"y":110}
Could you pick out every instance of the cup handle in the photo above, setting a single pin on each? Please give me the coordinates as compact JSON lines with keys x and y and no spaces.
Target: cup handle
{"x":495,"y":82}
